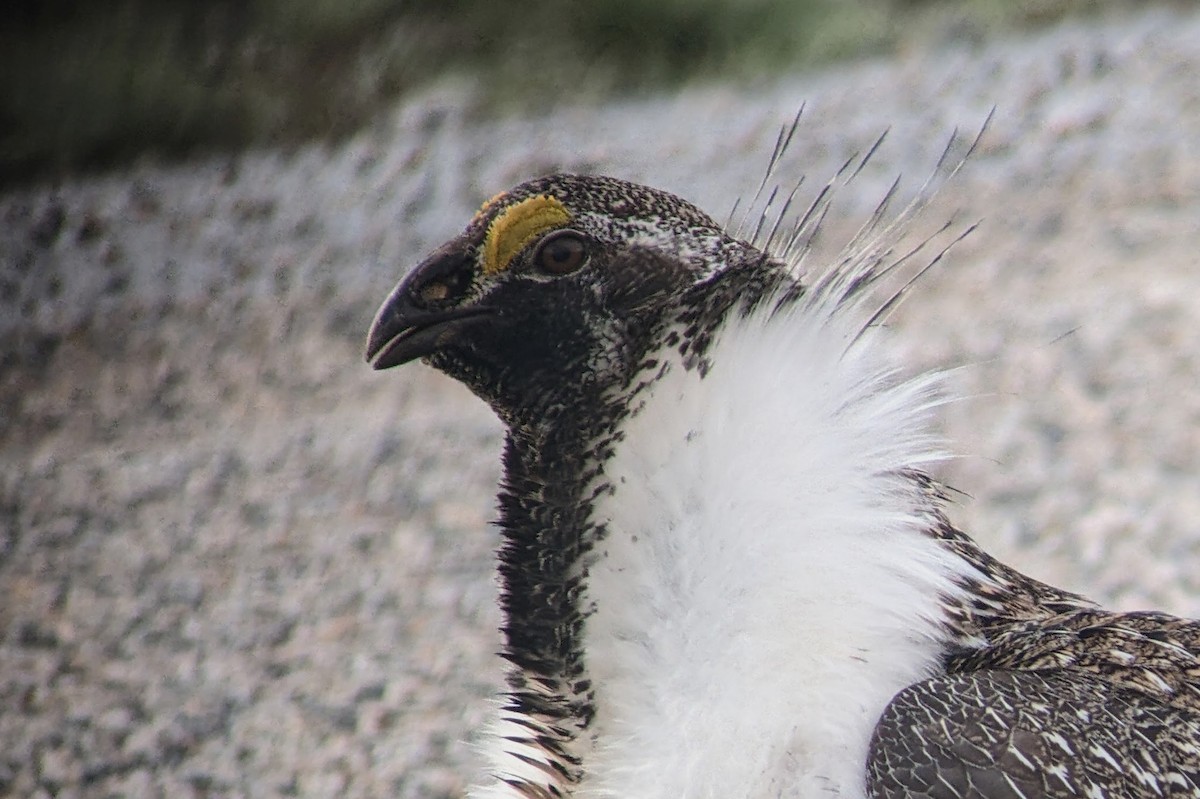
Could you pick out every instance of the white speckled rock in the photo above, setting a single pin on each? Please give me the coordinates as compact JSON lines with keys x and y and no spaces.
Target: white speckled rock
{"x":236,"y":562}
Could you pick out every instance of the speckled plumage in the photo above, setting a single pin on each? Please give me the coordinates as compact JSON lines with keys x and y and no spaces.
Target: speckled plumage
{"x":617,"y":383}
{"x":1016,"y":734}
{"x":1046,"y":695}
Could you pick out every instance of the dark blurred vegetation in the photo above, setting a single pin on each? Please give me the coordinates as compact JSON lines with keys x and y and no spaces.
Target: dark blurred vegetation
{"x":89,"y":85}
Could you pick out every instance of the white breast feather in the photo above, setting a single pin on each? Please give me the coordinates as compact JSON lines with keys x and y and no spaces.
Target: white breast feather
{"x":765,"y":586}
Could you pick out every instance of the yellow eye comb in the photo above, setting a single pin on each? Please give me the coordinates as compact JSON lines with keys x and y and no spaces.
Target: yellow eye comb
{"x":516,"y":227}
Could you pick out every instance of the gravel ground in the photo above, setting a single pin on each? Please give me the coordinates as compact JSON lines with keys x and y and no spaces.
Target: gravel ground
{"x":236,"y":562}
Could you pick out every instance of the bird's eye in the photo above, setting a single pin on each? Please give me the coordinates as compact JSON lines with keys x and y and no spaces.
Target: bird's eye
{"x":561,"y":253}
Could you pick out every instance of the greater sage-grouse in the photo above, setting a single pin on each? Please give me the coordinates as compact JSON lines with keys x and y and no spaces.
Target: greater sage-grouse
{"x":725,"y":570}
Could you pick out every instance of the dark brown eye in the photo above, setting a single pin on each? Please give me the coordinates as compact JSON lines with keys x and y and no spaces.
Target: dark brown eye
{"x":561,"y":253}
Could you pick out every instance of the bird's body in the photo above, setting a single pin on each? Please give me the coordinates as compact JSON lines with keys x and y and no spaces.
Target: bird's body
{"x":724,"y":569}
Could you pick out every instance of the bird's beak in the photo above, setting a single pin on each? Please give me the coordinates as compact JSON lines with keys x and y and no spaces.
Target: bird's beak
{"x":423,"y":313}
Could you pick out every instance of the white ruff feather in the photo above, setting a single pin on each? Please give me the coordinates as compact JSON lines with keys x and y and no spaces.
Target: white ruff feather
{"x":765,"y":586}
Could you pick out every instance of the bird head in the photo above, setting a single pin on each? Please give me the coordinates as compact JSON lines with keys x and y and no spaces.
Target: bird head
{"x":555,"y":287}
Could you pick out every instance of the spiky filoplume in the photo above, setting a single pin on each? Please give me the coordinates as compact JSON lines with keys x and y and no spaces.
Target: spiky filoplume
{"x":725,"y":571}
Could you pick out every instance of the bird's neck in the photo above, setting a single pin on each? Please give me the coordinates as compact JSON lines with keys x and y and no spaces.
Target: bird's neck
{"x":721,"y":580}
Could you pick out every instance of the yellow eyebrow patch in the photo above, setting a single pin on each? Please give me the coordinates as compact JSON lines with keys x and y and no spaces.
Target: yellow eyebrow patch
{"x":513,"y":230}
{"x":495,"y":198}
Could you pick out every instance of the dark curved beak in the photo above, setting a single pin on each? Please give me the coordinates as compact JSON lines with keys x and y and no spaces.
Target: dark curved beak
{"x":423,"y":313}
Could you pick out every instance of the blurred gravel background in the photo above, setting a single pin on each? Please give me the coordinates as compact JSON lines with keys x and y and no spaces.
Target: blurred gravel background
{"x":236,"y":562}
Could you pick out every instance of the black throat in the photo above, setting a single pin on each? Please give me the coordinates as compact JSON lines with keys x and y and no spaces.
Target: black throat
{"x":552,"y":477}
